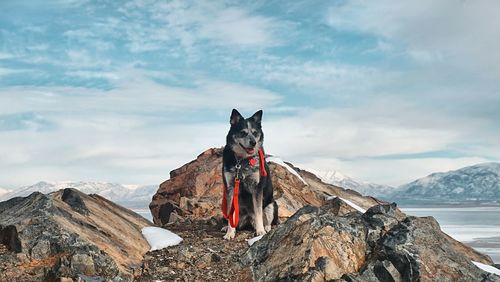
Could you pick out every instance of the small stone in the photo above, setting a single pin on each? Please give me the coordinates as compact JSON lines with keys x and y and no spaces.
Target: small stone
{"x":41,"y":250}
{"x":82,"y":263}
{"x":216,"y":257}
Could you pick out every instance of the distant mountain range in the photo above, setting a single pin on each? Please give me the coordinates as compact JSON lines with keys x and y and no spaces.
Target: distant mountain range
{"x":478,"y":184}
{"x":126,"y":195}
{"x":365,"y":188}
{"x":3,"y":192}
{"x":473,"y":184}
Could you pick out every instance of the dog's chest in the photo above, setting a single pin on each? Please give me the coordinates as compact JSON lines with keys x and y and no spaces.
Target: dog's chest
{"x":248,"y":174}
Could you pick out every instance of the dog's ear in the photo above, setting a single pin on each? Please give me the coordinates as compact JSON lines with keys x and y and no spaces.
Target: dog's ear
{"x":235,"y":117}
{"x":257,"y":117}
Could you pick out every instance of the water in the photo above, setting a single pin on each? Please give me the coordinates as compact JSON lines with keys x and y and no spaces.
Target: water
{"x":478,"y":227}
{"x":146,"y":213}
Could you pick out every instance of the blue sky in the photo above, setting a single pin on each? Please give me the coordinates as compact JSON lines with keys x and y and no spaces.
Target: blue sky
{"x":125,"y":91}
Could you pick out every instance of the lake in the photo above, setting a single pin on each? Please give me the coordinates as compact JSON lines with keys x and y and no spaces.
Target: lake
{"x":478,"y":227}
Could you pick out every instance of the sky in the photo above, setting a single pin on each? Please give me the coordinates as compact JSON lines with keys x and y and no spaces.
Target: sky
{"x":126,"y":91}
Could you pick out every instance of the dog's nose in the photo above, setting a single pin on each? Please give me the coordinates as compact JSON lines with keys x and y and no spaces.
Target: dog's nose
{"x":252,"y":142}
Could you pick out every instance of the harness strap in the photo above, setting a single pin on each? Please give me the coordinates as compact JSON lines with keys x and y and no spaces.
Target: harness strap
{"x":234,"y":213}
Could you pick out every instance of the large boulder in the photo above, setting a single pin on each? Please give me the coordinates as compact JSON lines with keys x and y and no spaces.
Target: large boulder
{"x":69,"y":235}
{"x":317,"y":244}
{"x":194,"y":190}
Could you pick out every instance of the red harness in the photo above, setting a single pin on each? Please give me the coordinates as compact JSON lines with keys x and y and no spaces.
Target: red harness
{"x":234,"y":214}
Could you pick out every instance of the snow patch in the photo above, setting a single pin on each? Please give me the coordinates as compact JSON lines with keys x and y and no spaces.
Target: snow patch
{"x":159,"y":238}
{"x":253,"y":240}
{"x":356,"y":207}
{"x":487,"y":268}
{"x":283,"y":164}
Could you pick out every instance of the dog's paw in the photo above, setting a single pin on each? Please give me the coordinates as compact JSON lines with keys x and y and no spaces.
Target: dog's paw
{"x":223,"y":229}
{"x":267,"y":228}
{"x":260,"y":232}
{"x":229,"y":235}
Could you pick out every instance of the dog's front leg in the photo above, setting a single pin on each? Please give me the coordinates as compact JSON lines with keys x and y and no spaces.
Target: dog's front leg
{"x":230,"y":232}
{"x":258,"y":213}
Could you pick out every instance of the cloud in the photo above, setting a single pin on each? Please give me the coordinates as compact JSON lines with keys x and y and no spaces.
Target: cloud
{"x":24,"y":121}
{"x":127,"y":92}
{"x":451,"y":32}
{"x":388,"y":146}
{"x":191,"y":22}
{"x":4,"y":56}
{"x":139,"y":125}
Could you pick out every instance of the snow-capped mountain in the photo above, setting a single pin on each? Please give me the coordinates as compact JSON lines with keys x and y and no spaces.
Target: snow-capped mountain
{"x":477,"y":183}
{"x":127,"y":195}
{"x":365,"y":188}
{"x":4,"y":191}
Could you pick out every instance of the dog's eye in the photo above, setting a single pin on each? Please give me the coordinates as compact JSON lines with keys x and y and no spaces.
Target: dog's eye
{"x":243,"y":133}
{"x":255,"y":132}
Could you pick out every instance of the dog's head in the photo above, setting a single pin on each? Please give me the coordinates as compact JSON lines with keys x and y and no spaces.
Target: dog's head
{"x":245,"y":136}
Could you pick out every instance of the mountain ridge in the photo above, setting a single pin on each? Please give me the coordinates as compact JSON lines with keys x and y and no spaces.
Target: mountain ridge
{"x":365,"y":188}
{"x":479,"y":183}
{"x":128,"y":195}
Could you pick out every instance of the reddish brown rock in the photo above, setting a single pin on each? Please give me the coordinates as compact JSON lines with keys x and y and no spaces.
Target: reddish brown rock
{"x":195,"y":190}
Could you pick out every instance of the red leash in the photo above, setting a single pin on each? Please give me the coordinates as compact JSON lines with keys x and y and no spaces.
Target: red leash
{"x":234,"y":214}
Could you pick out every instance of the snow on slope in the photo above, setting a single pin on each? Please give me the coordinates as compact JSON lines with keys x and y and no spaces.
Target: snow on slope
{"x":280,"y":162}
{"x":479,"y":182}
{"x":128,"y":195}
{"x":252,"y":241}
{"x":355,"y":206}
{"x":159,"y":238}
{"x":365,"y":188}
{"x":4,"y":191}
{"x":487,"y":268}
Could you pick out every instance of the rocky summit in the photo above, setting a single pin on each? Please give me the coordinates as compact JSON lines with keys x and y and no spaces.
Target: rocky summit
{"x":326,"y":233}
{"x":194,"y":191}
{"x":69,"y":236}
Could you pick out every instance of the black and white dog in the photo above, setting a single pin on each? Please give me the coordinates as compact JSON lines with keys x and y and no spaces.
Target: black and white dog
{"x":244,"y":166}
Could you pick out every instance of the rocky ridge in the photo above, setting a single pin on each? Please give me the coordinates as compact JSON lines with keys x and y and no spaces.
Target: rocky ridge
{"x":67,"y":235}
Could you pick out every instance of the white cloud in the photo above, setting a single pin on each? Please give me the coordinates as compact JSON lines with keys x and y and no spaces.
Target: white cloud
{"x":94,"y":74}
{"x":134,"y":133}
{"x":4,"y":56}
{"x":379,"y":144}
{"x":135,"y":93}
{"x":158,"y":23}
{"x":451,"y":32}
{"x":9,"y":71}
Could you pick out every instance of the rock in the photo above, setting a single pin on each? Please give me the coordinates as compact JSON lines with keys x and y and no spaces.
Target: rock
{"x":69,"y":235}
{"x":315,"y":244}
{"x":74,"y":200}
{"x":9,"y":238}
{"x":41,"y":249}
{"x":309,"y":244}
{"x":194,"y":191}
{"x":82,"y":264}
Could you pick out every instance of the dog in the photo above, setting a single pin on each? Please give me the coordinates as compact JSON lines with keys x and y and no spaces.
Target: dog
{"x":244,"y":162}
